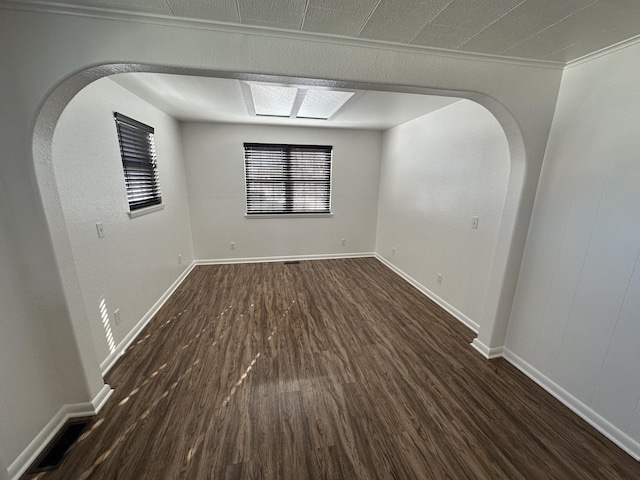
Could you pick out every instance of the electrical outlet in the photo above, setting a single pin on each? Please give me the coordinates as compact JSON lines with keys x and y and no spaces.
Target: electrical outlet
{"x":343,"y":242}
{"x":100,"y":228}
{"x":233,"y":245}
{"x":179,"y":259}
{"x":439,"y":279}
{"x":116,"y":316}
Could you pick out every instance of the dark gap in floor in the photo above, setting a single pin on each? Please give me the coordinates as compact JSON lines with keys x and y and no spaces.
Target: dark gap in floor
{"x":52,"y":456}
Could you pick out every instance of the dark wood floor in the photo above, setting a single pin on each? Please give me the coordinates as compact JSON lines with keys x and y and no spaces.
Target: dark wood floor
{"x":325,"y":369}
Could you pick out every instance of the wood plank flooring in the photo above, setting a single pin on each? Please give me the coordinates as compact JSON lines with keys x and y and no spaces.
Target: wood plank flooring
{"x":333,"y":369}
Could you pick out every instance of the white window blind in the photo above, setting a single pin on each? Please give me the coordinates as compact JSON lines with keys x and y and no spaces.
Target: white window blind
{"x":287,"y":179}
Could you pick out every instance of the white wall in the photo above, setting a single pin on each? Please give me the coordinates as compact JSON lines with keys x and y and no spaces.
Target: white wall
{"x":29,"y":391}
{"x":137,"y":260}
{"x":576,"y":317}
{"x":438,"y":171}
{"x":214,"y":159}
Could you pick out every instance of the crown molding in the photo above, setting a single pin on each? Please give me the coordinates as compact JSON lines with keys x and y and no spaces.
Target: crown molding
{"x":200,"y":24}
{"x":603,"y":51}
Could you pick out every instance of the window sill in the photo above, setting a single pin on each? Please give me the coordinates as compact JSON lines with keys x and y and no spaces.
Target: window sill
{"x":289,"y":215}
{"x":146,"y":211}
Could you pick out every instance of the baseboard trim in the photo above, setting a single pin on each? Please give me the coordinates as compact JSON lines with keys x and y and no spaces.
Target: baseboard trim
{"x":449,"y":308}
{"x":613,"y":433}
{"x":113,"y":357}
{"x":101,"y":398}
{"x":329,"y":256}
{"x":486,"y":352}
{"x":73,"y":410}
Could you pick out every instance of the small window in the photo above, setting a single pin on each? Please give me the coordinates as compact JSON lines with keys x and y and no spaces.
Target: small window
{"x":138,"y":153}
{"x":287,"y":179}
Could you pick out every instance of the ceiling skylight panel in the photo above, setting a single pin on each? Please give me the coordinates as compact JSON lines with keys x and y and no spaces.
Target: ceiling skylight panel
{"x":322,"y":104}
{"x":273,"y":101}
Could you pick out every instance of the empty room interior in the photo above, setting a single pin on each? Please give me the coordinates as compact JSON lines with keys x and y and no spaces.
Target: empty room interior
{"x":319,"y":239}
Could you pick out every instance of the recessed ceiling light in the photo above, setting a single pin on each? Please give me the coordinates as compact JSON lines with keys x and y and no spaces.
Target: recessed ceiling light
{"x":273,"y":101}
{"x":322,"y":104}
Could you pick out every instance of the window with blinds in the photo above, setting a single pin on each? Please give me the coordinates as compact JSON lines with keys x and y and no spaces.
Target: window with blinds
{"x":287,"y":179}
{"x":138,"y":153}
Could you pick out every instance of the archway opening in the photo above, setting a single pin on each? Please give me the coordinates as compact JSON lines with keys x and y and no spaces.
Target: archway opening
{"x":506,"y":259}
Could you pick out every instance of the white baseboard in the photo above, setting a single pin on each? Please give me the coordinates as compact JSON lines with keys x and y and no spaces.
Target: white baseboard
{"x":42,"y":439}
{"x":449,"y":308}
{"x":486,"y":352}
{"x":613,"y":433}
{"x":113,"y":357}
{"x":101,"y":398}
{"x":328,"y":256}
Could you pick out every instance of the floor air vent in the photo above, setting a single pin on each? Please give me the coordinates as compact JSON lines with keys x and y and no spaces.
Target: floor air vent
{"x":292,"y":262}
{"x":52,"y":456}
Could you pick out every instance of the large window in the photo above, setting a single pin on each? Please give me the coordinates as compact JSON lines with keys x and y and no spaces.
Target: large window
{"x":139,"y":161}
{"x":287,"y":179}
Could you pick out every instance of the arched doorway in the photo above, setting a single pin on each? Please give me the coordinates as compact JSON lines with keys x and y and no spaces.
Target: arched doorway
{"x":501,"y":284}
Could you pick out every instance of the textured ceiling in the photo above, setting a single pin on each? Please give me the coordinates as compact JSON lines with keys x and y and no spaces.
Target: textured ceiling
{"x":221,"y":100}
{"x":553,"y":30}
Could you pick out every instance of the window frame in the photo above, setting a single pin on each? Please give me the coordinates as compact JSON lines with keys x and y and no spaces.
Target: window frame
{"x":288,"y":197}
{"x":136,"y":143}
